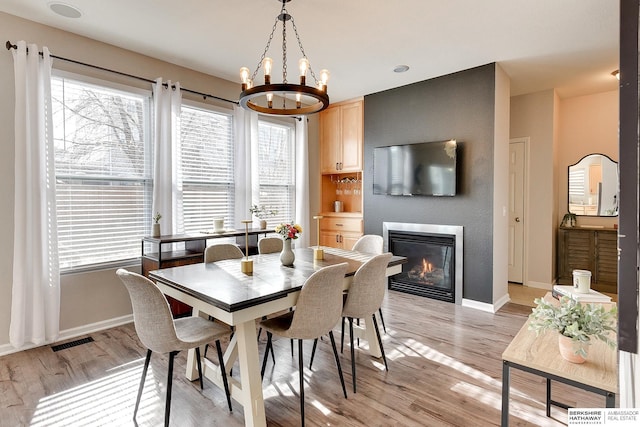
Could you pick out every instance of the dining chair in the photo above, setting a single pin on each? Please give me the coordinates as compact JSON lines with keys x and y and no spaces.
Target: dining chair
{"x":318,"y":310}
{"x":371,"y":244}
{"x":222,"y":251}
{"x":364,"y":298}
{"x":159,"y":332}
{"x":268,"y":245}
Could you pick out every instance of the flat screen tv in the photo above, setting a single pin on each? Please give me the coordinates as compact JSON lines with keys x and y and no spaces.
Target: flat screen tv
{"x":423,"y":169}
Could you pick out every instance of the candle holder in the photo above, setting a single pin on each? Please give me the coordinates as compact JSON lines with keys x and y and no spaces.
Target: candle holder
{"x":318,"y":252}
{"x":246,"y":265}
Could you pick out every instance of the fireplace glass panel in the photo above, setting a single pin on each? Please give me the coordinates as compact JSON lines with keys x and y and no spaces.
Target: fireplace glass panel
{"x":430,"y":268}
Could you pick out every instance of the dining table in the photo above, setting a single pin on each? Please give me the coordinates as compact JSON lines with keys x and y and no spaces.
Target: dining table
{"x":221,"y":290}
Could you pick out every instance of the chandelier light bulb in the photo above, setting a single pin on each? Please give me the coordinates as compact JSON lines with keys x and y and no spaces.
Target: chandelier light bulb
{"x":270,"y":100}
{"x":244,"y":77}
{"x":303,"y":64}
{"x":324,"y":78}
{"x":298,"y":100}
{"x":267,"y":63}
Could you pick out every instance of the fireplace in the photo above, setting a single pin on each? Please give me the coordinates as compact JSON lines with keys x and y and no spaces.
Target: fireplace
{"x":434,"y":259}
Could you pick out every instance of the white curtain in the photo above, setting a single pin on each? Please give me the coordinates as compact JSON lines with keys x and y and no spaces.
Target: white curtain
{"x":35,"y":300}
{"x":246,"y":136}
{"x":302,"y":184}
{"x":167,"y":197}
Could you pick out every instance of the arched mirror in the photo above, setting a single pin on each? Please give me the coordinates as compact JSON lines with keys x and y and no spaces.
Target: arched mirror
{"x":593,"y":186}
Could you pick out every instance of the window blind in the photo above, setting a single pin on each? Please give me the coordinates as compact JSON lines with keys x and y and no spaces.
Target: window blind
{"x":206,"y":168}
{"x":276,"y":165}
{"x":103,"y":172}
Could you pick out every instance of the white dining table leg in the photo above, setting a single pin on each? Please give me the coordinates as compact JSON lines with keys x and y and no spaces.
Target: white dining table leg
{"x":372,"y":338}
{"x":249,"y":361}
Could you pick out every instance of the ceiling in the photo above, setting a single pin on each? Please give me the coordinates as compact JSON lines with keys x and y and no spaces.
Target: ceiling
{"x":569,"y":45}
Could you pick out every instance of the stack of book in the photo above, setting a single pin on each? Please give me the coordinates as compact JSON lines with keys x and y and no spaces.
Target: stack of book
{"x":569,"y":291}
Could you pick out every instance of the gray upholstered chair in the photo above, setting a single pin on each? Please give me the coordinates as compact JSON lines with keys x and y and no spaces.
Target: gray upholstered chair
{"x":364,"y":299}
{"x":318,"y":310}
{"x":222,"y":251}
{"x":159,"y":332}
{"x":268,"y":245}
{"x":371,"y":244}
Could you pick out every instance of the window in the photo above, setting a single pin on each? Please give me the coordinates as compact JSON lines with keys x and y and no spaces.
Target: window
{"x":103,"y":172}
{"x":206,"y":168}
{"x":276,"y":165}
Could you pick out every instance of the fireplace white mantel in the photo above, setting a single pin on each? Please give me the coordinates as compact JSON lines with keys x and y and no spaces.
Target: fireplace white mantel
{"x":453,"y":230}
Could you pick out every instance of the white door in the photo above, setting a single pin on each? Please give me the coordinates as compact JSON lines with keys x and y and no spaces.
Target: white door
{"x":516,"y":210}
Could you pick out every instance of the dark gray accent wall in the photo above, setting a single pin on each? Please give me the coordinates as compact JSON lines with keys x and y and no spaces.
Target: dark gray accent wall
{"x":458,"y":106}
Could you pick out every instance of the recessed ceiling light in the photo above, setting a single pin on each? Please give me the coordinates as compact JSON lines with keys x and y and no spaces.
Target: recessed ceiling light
{"x":65,"y":10}
{"x":401,"y":68}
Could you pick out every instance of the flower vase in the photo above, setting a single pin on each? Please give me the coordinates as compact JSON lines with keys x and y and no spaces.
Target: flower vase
{"x":155,"y":230}
{"x":263,"y":224}
{"x":567,"y":349}
{"x":287,"y":257}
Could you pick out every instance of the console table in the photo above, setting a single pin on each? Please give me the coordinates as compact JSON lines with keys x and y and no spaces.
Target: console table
{"x":539,"y":355}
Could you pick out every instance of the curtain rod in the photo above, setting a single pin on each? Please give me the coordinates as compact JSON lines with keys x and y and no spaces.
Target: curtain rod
{"x":10,"y":46}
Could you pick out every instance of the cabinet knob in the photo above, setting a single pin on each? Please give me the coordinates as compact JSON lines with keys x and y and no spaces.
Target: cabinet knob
{"x":517,"y":219}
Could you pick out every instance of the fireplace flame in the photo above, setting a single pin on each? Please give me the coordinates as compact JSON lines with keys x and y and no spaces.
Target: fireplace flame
{"x":427,"y":267}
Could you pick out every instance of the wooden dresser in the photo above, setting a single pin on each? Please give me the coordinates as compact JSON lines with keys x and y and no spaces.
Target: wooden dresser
{"x":593,"y":249}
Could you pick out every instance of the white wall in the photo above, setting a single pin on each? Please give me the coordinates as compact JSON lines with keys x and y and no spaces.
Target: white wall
{"x":90,"y":299}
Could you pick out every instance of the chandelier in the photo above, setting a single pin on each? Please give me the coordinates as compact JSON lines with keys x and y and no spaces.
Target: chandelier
{"x":284,"y":99}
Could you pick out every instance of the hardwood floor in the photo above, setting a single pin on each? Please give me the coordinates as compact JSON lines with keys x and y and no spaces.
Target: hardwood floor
{"x":444,"y":370}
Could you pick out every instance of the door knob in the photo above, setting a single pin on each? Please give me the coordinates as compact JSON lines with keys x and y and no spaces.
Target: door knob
{"x":517,"y":219}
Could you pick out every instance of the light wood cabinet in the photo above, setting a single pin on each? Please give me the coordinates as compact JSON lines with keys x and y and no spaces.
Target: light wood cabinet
{"x":341,"y":136}
{"x":341,"y":152}
{"x":595,"y":250}
{"x":340,"y":231}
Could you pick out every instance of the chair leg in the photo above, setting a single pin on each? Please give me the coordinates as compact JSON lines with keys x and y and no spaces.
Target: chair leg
{"x":342,"y":335}
{"x":375,"y":325}
{"x":313,"y":352}
{"x":199,"y":364}
{"x":167,"y":405}
{"x":335,"y":354}
{"x":301,"y":369}
{"x":382,"y":320}
{"x":224,"y":374}
{"x":266,"y":354}
{"x":353,"y":355}
{"x":144,"y":376}
{"x":291,"y":341}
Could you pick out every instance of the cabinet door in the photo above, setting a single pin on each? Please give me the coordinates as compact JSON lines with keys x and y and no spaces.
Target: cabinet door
{"x":606,"y":262}
{"x":579,"y":250}
{"x":330,"y":239}
{"x":352,"y":140}
{"x":330,"y":144}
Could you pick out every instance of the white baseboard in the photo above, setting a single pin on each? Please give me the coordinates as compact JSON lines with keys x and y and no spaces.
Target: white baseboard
{"x":502,"y":301}
{"x":72,"y":333}
{"x":482,"y":306}
{"x":540,"y":285}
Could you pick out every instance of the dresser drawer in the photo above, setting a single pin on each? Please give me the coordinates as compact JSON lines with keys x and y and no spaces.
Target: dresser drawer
{"x":342,"y":224}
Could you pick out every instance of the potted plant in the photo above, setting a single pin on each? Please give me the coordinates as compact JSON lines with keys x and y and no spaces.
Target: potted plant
{"x":155,"y":231}
{"x":262,"y":212}
{"x":575,"y":323}
{"x":568,"y":220}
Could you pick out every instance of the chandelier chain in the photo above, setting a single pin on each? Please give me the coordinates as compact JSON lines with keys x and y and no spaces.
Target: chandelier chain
{"x":266,"y":49}
{"x":284,"y":46}
{"x":304,"y":55}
